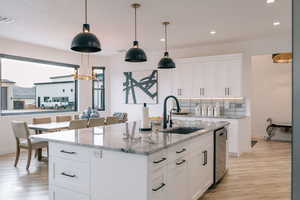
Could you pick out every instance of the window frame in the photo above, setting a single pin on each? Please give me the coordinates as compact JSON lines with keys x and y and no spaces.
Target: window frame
{"x":39,"y":61}
{"x":93,"y":88}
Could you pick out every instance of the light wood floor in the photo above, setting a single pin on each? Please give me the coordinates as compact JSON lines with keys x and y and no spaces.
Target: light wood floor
{"x":263,"y":174}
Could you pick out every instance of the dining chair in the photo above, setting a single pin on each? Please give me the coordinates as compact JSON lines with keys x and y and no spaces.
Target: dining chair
{"x":63,"y":118}
{"x":78,"y":124}
{"x":112,"y":120}
{"x":41,"y":120}
{"x":93,"y":122}
{"x":23,"y":141}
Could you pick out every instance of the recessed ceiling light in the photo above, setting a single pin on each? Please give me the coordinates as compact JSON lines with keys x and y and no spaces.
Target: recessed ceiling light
{"x":276,"y":23}
{"x":270,"y":1}
{"x":6,"y":20}
{"x":213,"y":32}
{"x":162,"y":39}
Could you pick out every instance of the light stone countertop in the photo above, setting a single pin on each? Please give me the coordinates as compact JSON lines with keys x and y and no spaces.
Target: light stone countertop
{"x":126,"y":137}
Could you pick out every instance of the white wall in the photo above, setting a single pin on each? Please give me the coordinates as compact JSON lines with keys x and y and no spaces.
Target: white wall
{"x":281,"y":43}
{"x":7,"y":141}
{"x":271,"y":93}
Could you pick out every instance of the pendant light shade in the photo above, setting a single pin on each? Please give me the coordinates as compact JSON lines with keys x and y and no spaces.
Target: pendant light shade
{"x":166,"y":62}
{"x":85,"y":41}
{"x":135,"y":54}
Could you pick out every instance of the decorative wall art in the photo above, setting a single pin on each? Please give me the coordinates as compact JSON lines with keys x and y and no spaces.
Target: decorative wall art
{"x":141,"y":87}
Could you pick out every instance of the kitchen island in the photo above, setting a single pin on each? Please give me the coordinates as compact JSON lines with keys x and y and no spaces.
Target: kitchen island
{"x":120,"y":162}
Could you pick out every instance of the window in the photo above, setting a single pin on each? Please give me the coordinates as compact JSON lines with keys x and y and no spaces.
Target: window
{"x":99,"y":88}
{"x":32,"y":86}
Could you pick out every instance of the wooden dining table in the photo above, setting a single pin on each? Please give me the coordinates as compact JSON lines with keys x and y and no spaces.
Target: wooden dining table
{"x":46,"y":128}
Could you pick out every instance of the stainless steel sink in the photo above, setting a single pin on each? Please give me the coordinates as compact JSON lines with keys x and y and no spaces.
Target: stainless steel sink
{"x":181,"y":130}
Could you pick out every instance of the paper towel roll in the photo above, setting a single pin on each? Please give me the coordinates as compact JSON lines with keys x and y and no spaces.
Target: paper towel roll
{"x":145,"y":117}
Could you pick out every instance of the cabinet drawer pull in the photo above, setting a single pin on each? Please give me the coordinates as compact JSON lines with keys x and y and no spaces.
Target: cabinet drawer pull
{"x":159,"y":161}
{"x":160,"y":187}
{"x":205,"y":158}
{"x":68,"y":175}
{"x":181,"y":162}
{"x":183,"y":150}
{"x":68,"y":152}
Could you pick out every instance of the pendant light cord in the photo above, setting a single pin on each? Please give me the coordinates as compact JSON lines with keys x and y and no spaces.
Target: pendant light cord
{"x":166,"y":38}
{"x":86,"y":11}
{"x":135,"y":34}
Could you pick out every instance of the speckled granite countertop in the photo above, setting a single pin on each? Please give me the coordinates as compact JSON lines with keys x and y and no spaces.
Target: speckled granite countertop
{"x":126,"y":137}
{"x":213,"y":117}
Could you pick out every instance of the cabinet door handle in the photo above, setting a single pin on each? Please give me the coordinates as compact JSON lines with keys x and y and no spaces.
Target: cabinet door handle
{"x":203,"y":91}
{"x":159,"y":187}
{"x":159,"y":161}
{"x":68,"y":175}
{"x":205,"y":158}
{"x":228,"y":89}
{"x":180,"y":163}
{"x":181,"y":151}
{"x":68,"y":152}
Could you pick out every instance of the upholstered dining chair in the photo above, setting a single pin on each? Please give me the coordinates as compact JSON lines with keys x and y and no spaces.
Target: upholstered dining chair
{"x":23,"y":141}
{"x":112,"y":120}
{"x":78,"y":124}
{"x":93,"y":122}
{"x":63,"y":118}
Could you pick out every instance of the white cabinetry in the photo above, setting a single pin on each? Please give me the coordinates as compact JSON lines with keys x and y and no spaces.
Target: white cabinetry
{"x":182,"y":78}
{"x":180,"y":172}
{"x":178,"y":179}
{"x":213,"y":76}
{"x":201,"y":166}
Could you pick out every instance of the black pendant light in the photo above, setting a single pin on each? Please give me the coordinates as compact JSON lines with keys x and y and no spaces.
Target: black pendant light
{"x":135,"y":54}
{"x":166,"y":62}
{"x":85,"y":41}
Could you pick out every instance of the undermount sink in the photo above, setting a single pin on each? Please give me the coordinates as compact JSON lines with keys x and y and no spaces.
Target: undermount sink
{"x":181,"y":130}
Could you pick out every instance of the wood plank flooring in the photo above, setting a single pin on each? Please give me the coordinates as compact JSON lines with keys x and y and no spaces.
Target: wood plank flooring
{"x":263,"y":174}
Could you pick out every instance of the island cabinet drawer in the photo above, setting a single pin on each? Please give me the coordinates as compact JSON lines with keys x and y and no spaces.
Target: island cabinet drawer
{"x":158,"y":160}
{"x":178,"y":151}
{"x":201,"y":141}
{"x":71,"y":175}
{"x":65,"y":194}
{"x":70,"y":152}
{"x":159,"y":185}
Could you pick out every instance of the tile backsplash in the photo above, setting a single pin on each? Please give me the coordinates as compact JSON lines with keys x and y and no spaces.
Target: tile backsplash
{"x":226,"y":107}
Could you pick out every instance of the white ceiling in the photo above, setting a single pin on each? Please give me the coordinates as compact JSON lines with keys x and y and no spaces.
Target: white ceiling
{"x":54,"y":23}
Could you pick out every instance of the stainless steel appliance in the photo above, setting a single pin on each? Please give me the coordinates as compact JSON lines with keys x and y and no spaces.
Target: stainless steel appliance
{"x":220,"y":147}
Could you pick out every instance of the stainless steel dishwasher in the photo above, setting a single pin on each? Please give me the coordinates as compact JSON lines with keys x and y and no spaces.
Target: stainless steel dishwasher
{"x":220,"y":147}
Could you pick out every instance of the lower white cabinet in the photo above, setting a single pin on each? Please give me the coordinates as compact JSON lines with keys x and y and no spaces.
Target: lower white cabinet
{"x":178,"y":179}
{"x":181,"y":172}
{"x":201,"y":167}
{"x":59,"y":193}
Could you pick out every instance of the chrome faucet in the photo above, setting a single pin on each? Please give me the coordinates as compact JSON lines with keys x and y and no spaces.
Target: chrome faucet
{"x":165,"y":120}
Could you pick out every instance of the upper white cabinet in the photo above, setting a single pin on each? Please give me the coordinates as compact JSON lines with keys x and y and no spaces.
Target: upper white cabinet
{"x":213,"y":76}
{"x":182,"y":81}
